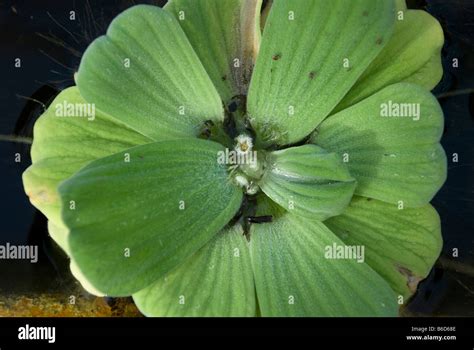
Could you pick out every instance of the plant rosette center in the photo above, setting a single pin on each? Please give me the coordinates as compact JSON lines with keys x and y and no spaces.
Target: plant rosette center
{"x":246,"y":165}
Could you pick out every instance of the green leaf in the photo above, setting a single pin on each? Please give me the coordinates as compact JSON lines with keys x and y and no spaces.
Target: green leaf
{"x":400,"y":5}
{"x":133,"y":221}
{"x":59,"y":233}
{"x":145,"y":73}
{"x":412,"y":55}
{"x":294,"y":277}
{"x":302,"y":72}
{"x":221,"y":32}
{"x":394,"y":159}
{"x":215,"y":281}
{"x":401,"y":245}
{"x":63,"y":144}
{"x":308,"y":181}
{"x":85,"y":283}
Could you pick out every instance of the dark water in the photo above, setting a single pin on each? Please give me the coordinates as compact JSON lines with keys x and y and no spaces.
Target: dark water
{"x":50,"y":46}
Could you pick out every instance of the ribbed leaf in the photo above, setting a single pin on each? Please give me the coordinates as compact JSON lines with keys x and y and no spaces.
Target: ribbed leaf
{"x":225,"y":35}
{"x":308,"y":181}
{"x":312,"y":53}
{"x":394,"y":159}
{"x":145,"y":73}
{"x":401,"y":245}
{"x":412,"y":55}
{"x":216,"y":281}
{"x":293,"y":277}
{"x":132,"y":222}
{"x":64,"y":141}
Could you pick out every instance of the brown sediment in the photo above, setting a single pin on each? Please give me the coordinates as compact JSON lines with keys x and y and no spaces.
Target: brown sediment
{"x":58,"y":305}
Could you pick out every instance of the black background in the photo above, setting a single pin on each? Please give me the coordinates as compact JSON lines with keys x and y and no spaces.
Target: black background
{"x":50,"y":47}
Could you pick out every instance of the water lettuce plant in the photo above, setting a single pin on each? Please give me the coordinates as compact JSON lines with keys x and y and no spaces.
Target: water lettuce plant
{"x":240,"y":162}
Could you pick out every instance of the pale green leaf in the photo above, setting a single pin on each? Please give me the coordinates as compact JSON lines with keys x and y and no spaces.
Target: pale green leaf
{"x":400,"y":5}
{"x":59,"y":233}
{"x":225,"y":35}
{"x":401,"y":245}
{"x":145,"y":73}
{"x":308,"y":181}
{"x":394,"y":159}
{"x":85,"y":283}
{"x":63,"y":142}
{"x":139,"y":213}
{"x":217,"y":281}
{"x":295,"y":277}
{"x":412,"y":55}
{"x":312,"y":53}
